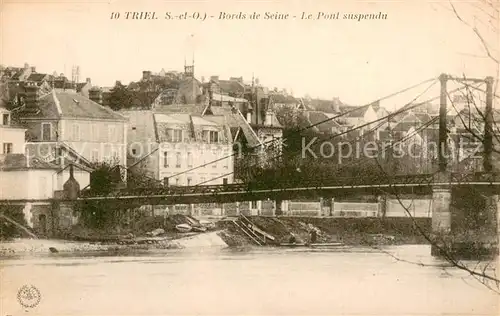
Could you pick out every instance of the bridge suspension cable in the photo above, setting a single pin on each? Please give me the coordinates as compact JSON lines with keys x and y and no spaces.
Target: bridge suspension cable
{"x":433,"y":80}
{"x":416,"y":131}
{"x":404,"y":109}
{"x":380,"y":121}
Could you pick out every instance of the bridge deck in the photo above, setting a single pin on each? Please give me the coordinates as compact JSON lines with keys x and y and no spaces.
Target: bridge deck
{"x":420,"y":184}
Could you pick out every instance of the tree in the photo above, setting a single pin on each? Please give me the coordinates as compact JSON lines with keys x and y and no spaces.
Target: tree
{"x":120,"y":97}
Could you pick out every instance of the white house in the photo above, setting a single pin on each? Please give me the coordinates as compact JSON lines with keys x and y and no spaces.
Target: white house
{"x":63,"y":121}
{"x":180,"y":148}
{"x":11,"y":137}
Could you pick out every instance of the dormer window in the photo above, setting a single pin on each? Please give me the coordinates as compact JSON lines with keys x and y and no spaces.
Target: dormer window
{"x":210,"y":136}
{"x":46,"y":131}
{"x":6,"y":119}
{"x":174,"y":135}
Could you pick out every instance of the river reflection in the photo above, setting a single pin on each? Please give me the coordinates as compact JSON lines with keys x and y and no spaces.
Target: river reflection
{"x":354,"y":281}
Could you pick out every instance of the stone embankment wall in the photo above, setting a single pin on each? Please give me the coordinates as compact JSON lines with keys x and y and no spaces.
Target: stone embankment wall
{"x":351,"y":231}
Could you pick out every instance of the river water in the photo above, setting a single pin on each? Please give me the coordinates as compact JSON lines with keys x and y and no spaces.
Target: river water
{"x":217,"y":281}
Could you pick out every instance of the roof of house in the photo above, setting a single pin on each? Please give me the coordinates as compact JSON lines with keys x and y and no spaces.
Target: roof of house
{"x":356,"y":111}
{"x":323,"y":122}
{"x":37,"y":77}
{"x":284,"y":99}
{"x":230,"y":85}
{"x":179,"y":108}
{"x":235,"y":120}
{"x":226,"y":98}
{"x":192,"y":123}
{"x":69,"y":104}
{"x":11,"y":162}
{"x":80,"y":86}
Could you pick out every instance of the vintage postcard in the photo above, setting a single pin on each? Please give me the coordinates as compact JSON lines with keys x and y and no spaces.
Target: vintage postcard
{"x":249,"y":157}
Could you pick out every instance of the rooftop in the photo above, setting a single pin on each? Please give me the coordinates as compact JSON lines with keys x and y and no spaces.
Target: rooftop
{"x":69,"y":104}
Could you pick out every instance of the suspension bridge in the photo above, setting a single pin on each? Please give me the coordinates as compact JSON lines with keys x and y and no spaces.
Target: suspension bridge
{"x":437,"y":184}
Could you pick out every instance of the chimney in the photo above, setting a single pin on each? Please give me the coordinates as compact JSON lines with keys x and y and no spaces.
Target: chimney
{"x":88,"y":80}
{"x":26,"y":65}
{"x":95,"y":95}
{"x":214,"y":78}
{"x":146,"y":75}
{"x":31,"y":97}
{"x":71,"y":187}
{"x":268,"y":120}
{"x":33,"y":69}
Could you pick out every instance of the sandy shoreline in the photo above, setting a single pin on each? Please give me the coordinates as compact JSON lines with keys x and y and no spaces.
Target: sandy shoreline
{"x":22,"y":246}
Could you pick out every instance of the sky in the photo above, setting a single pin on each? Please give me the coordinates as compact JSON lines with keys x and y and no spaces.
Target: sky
{"x":357,"y":61}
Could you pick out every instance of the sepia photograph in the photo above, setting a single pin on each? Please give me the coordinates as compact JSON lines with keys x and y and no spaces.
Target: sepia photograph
{"x":249,"y":157}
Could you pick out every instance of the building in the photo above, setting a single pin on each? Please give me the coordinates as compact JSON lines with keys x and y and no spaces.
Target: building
{"x":29,"y":182}
{"x":84,"y":87}
{"x":65,"y":124}
{"x":30,"y":178}
{"x":12,"y":138}
{"x":180,"y":148}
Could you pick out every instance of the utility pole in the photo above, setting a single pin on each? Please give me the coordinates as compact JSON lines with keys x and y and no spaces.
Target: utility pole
{"x":488,"y":126}
{"x":443,"y":133}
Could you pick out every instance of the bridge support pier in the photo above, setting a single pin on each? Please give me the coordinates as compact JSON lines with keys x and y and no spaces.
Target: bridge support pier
{"x":441,"y":218}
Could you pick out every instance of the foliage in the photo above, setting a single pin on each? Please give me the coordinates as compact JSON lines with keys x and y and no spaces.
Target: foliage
{"x":120,"y":97}
{"x":105,"y":177}
{"x":141,"y":93}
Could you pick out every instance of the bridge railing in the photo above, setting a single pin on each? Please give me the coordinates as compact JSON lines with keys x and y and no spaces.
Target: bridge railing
{"x":413,"y":179}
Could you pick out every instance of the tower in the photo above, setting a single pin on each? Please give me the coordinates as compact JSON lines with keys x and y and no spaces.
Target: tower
{"x":75,"y":74}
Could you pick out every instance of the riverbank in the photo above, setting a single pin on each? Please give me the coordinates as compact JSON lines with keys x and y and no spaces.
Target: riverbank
{"x":349,"y":231}
{"x":24,"y":246}
{"x":346,"y":231}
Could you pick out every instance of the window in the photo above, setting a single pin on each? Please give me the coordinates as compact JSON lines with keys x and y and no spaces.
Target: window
{"x":177,"y":181}
{"x":111,"y":133}
{"x":114,"y":154}
{"x":189,"y":181}
{"x":253,"y":204}
{"x":134,"y":151}
{"x":46,"y":131}
{"x":95,"y":155}
{"x":224,"y":181}
{"x":76,"y":132}
{"x":166,"y":159}
{"x":190,"y":159}
{"x":5,"y":119}
{"x":214,"y":137}
{"x":210,"y":136}
{"x":178,"y":160}
{"x":226,"y":161}
{"x":202,"y":180}
{"x":94,"y":132}
{"x":7,"y":148}
{"x":214,"y":165}
{"x":175,"y":135}
{"x":133,"y":128}
{"x":165,"y":181}
{"x":202,"y":154}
